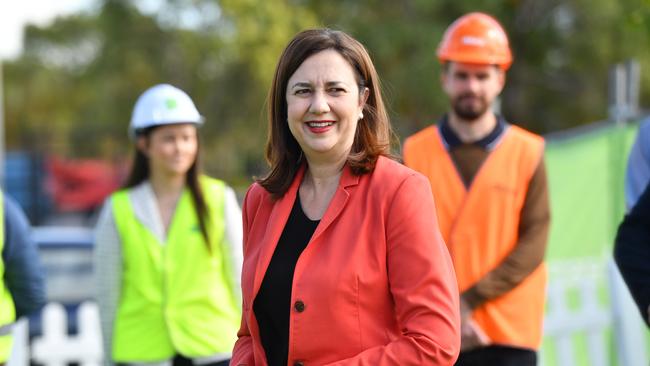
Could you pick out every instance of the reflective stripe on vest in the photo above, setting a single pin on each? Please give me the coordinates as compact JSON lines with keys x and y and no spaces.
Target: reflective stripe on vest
{"x":7,"y":309}
{"x":480,"y":226}
{"x":176,"y":296}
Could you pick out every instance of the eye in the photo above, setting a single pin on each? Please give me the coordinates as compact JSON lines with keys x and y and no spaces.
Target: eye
{"x":302,"y":91}
{"x":482,"y":77}
{"x":336,"y":90}
{"x":461,"y":76}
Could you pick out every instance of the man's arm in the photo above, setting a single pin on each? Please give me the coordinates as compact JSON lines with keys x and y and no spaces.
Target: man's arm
{"x":529,"y":251}
{"x":23,"y":272}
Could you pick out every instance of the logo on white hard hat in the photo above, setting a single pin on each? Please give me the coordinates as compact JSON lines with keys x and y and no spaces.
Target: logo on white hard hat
{"x":171,"y":103}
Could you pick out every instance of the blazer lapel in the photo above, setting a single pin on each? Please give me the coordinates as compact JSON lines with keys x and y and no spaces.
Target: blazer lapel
{"x":338,"y":201}
{"x":276,"y":222}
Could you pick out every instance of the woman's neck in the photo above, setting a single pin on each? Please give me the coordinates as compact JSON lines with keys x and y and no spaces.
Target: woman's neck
{"x":324,"y":167}
{"x":319,"y":186}
{"x":165,"y":186}
{"x":167,"y":190}
{"x":320,"y":174}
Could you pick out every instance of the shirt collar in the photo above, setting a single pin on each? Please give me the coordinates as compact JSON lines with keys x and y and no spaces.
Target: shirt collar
{"x":451,"y":139}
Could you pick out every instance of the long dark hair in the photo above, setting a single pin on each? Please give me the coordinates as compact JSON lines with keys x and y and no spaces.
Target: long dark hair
{"x":140,"y":172}
{"x":374,"y":134}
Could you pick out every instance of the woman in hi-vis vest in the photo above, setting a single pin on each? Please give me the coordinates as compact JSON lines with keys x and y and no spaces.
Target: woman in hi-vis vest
{"x":343,"y":260}
{"x":168,"y":247}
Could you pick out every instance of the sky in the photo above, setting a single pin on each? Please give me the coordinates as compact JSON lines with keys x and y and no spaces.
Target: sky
{"x":15,"y":14}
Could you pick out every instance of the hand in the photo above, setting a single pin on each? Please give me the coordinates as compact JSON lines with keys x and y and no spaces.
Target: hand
{"x":465,"y":310}
{"x":472,"y":336}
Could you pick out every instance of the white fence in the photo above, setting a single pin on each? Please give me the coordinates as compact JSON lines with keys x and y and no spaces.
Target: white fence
{"x":592,"y":319}
{"x":55,"y":347}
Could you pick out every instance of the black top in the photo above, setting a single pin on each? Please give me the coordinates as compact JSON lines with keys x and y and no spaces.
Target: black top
{"x":272,"y":305}
{"x":632,"y":252}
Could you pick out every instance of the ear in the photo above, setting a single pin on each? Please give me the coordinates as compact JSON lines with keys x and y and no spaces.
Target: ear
{"x":444,"y":78}
{"x":363,"y":97}
{"x":501,"y":79}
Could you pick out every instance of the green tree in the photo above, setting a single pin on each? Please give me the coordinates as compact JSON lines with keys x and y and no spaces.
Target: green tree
{"x":72,"y":90}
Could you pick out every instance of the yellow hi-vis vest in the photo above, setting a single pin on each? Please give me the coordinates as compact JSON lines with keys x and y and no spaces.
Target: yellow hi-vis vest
{"x":7,"y":309}
{"x":177,"y":297}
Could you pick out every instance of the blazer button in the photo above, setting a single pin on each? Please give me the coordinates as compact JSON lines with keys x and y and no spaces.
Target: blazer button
{"x":300,"y":307}
{"x":298,"y":363}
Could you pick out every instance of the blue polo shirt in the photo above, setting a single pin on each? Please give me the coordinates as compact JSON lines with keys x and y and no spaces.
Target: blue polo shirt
{"x":638,"y":165}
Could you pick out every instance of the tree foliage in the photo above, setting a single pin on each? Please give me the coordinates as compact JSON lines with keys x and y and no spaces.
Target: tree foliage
{"x":72,"y":90}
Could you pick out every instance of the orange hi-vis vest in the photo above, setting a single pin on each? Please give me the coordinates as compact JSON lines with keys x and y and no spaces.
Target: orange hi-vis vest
{"x":480,"y":225}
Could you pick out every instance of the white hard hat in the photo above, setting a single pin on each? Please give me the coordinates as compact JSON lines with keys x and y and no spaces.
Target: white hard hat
{"x":161,"y":105}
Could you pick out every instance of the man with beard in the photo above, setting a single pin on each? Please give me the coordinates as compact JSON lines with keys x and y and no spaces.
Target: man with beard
{"x":489,"y":183}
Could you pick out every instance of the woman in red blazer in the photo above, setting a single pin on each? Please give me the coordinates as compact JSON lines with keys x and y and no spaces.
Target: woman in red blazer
{"x":343,"y":261}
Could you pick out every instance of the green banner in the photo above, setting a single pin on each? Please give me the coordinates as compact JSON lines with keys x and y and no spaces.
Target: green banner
{"x":586,"y":173}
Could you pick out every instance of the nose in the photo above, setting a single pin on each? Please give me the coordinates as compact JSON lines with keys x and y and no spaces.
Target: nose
{"x":178,"y":145}
{"x":472,"y":84}
{"x":319,"y":104}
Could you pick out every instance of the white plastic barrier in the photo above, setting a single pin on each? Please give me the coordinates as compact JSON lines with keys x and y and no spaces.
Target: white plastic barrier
{"x":629,"y":328}
{"x":593,"y":318}
{"x":56,"y":348}
{"x":562,"y":323}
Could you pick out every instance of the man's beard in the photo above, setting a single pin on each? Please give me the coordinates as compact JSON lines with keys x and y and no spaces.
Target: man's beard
{"x":469,"y":111}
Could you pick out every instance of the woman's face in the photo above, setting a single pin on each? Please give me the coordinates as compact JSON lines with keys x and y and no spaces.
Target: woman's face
{"x":171,"y":149}
{"x":324,"y":104}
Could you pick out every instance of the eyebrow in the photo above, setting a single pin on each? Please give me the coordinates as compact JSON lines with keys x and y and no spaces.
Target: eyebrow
{"x":302,"y":84}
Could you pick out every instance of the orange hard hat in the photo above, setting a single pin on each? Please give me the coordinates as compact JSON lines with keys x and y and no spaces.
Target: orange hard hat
{"x":476,"y":38}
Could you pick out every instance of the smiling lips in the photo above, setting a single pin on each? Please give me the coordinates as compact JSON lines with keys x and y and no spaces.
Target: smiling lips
{"x":319,"y":126}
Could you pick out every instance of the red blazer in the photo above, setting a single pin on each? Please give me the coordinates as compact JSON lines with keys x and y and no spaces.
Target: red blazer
{"x":376,"y":280}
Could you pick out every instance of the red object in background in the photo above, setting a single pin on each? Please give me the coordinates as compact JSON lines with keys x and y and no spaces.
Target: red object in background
{"x":81,"y":185}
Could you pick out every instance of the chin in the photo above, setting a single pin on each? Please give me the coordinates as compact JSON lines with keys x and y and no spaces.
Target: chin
{"x":178,"y":170}
{"x":319,"y":148}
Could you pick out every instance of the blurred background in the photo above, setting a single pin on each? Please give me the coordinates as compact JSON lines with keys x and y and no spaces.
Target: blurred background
{"x":581,"y":77}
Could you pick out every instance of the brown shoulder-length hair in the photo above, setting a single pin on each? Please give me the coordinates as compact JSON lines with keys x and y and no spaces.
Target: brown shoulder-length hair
{"x":374,"y":134}
{"x":140,"y":172}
